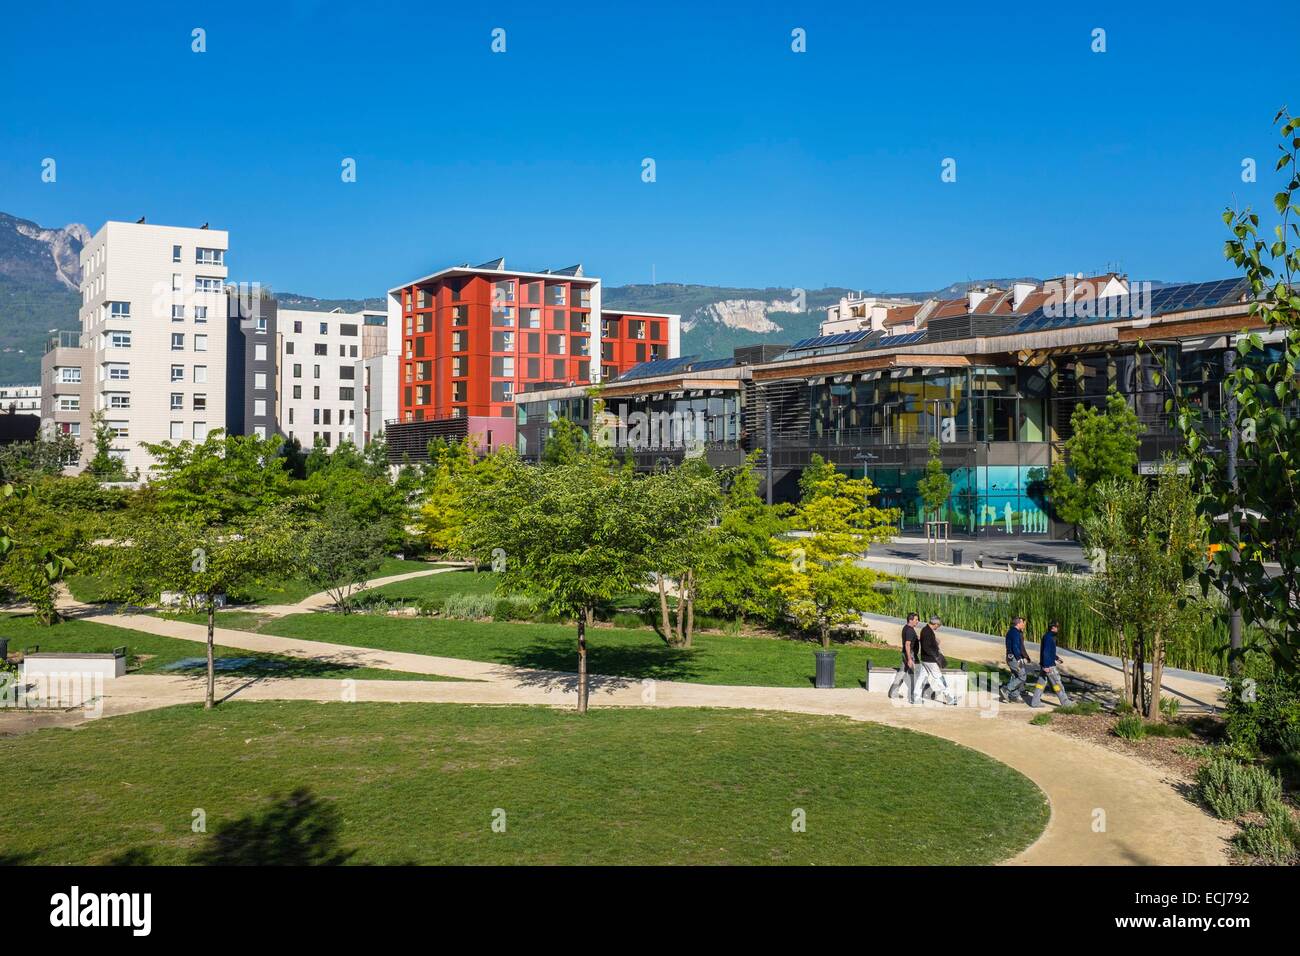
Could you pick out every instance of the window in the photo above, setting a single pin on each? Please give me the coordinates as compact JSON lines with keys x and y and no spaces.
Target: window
{"x":347,"y":394}
{"x":259,"y":352}
{"x":315,"y":416}
{"x":315,"y":371}
{"x":207,"y":284}
{"x":503,"y":366}
{"x":178,"y":401}
{"x":259,"y":380}
{"x":503,"y":391}
{"x":177,"y":431}
{"x":320,"y":348}
{"x":178,"y":373}
{"x":200,"y":402}
{"x":288,"y":348}
{"x":261,"y":325}
{"x":297,"y":325}
{"x":324,"y":328}
{"x":200,"y":374}
{"x":315,"y":393}
{"x":200,"y":343}
{"x":200,"y":431}
{"x":119,"y":400}
{"x":176,"y":282}
{"x":534,"y":368}
{"x":176,"y":253}
{"x":69,"y":376}
{"x":119,"y":310}
{"x":503,"y":341}
{"x":259,"y":431}
{"x":457,"y":366}
{"x":178,"y":313}
{"x":178,"y":341}
{"x":297,"y":370}
{"x":118,"y":371}
{"x":297,"y":393}
{"x":69,"y":403}
{"x":209,"y":257}
{"x":200,"y":313}
{"x":557,"y":370}
{"x":120,"y":429}
{"x":555,"y":345}
{"x":348,"y":329}
{"x":349,"y":372}
{"x":259,"y":407}
{"x":458,"y":341}
{"x":119,"y":340}
{"x":532,"y":318}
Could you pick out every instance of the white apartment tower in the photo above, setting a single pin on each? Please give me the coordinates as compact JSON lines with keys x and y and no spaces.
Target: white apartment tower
{"x":153,"y":318}
{"x":321,"y":373}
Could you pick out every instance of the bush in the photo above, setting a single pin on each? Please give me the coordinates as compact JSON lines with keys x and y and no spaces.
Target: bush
{"x":628,"y":619}
{"x":468,"y":607}
{"x":1130,"y":727}
{"x":1269,"y":722}
{"x":1169,"y":707}
{"x":1122,"y":708}
{"x":514,"y":607}
{"x":1276,"y":841}
{"x":1082,"y":708}
{"x":1230,"y":788}
{"x":1162,"y":728}
{"x":430,"y":606}
{"x":1041,"y":720}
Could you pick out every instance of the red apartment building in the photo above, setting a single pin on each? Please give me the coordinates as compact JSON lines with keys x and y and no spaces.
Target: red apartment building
{"x":470,"y":338}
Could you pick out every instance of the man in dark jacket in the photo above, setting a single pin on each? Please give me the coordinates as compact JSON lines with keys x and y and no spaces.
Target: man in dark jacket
{"x":932,"y":664}
{"x":911,"y":650}
{"x":1016,"y":661}
{"x":1050,"y":669}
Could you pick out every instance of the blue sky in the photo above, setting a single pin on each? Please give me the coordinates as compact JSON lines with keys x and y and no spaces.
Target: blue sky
{"x":773,"y":168}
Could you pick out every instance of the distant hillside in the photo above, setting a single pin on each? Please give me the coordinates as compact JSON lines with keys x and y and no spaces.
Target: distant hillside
{"x":307,"y":303}
{"x":39,"y":274}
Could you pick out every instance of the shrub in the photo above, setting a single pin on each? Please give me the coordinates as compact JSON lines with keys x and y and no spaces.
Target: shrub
{"x":1169,"y":707}
{"x":1230,"y":788}
{"x":1122,"y":708}
{"x":1041,"y":720}
{"x":628,"y":619}
{"x":430,"y":606}
{"x":1266,"y":718}
{"x":1130,"y":727}
{"x":1276,"y":841}
{"x":1082,"y":708}
{"x":1160,"y":728}
{"x":514,"y":607}
{"x":468,"y":607}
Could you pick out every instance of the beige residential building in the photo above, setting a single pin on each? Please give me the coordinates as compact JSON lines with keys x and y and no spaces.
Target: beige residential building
{"x":153,"y":318}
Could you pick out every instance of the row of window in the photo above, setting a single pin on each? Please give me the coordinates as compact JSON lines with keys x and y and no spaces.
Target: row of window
{"x":345,"y":395}
{"x":346,"y":372}
{"x":322,"y":348}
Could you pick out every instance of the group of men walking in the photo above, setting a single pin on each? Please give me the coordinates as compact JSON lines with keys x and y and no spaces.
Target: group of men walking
{"x":923,"y":664}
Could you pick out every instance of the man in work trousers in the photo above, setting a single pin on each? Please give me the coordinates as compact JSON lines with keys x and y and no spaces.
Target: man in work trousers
{"x":1016,"y":661}
{"x":1051,"y":673}
{"x":932,"y":664}
{"x":907,"y":669}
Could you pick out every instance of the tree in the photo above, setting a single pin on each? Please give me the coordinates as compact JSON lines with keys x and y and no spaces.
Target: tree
{"x":814,"y":476}
{"x":572,"y":536}
{"x":37,"y":542}
{"x":734,"y":582}
{"x":1142,"y":536}
{"x":684,"y":503}
{"x":104,"y":466}
{"x":219,"y":479}
{"x":935,"y":486}
{"x":1256,"y":560}
{"x":47,"y":455}
{"x":342,"y":552}
{"x":816,"y":575}
{"x":1104,"y":444}
{"x":200,"y":560}
{"x":565,"y":443}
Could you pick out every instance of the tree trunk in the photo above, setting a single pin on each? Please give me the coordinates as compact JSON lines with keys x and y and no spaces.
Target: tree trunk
{"x":1157,"y":674}
{"x":680,"y":637}
{"x":211,"y":700}
{"x":1124,"y":665}
{"x":690,"y":607}
{"x":663,"y":612}
{"x":826,"y":637}
{"x":582,"y":663}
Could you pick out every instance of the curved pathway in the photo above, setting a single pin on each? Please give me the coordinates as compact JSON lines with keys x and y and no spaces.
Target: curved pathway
{"x":1106,"y":808}
{"x":321,"y":601}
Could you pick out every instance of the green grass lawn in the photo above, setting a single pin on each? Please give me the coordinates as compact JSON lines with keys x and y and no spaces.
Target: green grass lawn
{"x":154,"y":654}
{"x":420,"y":783}
{"x":615,"y":652}
{"x":90,"y":589}
{"x":440,"y":586}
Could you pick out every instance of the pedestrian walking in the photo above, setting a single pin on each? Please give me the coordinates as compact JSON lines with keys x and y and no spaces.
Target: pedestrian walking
{"x":1049,"y":667}
{"x":911,"y":650}
{"x":930,"y":673}
{"x":1017,"y":659}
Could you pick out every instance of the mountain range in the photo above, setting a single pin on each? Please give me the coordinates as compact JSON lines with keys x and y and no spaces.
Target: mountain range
{"x":40,"y":273}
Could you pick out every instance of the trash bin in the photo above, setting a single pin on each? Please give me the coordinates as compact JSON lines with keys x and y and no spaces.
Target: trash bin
{"x":956,"y":557}
{"x":825,"y":669}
